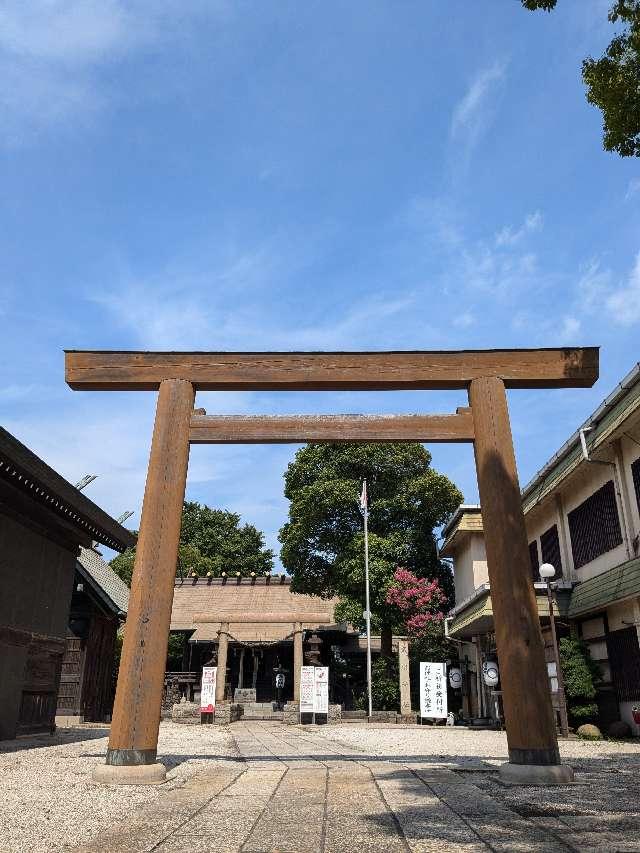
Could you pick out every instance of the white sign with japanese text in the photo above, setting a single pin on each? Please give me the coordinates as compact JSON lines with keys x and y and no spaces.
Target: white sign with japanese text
{"x":307,"y":689}
{"x":314,"y":690}
{"x":321,"y":693}
{"x":208,"y":690}
{"x":433,"y":690}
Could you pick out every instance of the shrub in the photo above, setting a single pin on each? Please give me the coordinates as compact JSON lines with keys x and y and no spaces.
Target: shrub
{"x":385,"y":687}
{"x":581,"y":674}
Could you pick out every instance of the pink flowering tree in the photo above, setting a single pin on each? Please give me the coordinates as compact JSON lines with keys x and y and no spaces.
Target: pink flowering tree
{"x":419,"y":604}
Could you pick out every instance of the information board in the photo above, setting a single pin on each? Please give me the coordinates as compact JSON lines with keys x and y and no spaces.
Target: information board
{"x":433,"y":690}
{"x":208,"y":690}
{"x":314,"y":690}
{"x":307,"y":689}
{"x":321,"y":693}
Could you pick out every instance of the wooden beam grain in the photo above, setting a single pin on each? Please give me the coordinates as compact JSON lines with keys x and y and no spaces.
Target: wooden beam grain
{"x":570,"y":367}
{"x":299,"y":429}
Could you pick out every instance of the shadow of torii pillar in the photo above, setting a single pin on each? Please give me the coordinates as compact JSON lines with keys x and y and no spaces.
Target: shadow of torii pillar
{"x":531,"y":731}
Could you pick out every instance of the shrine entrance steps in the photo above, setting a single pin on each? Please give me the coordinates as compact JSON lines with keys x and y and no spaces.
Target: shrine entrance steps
{"x":260,"y":711}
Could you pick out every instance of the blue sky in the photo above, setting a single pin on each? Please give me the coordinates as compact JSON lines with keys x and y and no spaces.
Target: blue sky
{"x":283,"y":175}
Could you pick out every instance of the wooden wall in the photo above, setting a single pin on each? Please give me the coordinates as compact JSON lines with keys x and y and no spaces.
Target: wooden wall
{"x":36,"y":577}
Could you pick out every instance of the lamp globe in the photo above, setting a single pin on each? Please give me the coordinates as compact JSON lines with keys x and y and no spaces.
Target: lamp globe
{"x":547,"y":571}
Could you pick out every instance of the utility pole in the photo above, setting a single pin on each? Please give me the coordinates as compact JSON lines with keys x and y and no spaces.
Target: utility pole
{"x":364,"y":506}
{"x":547,"y":571}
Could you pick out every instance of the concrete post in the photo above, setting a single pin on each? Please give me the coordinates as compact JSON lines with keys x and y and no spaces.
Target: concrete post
{"x":403,"y":669}
{"x":297,"y":660}
{"x":221,"y":675}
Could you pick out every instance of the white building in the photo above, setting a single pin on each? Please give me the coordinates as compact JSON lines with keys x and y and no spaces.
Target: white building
{"x":582,"y":513}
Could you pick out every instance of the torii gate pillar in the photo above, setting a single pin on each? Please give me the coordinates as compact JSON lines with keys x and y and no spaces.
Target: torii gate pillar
{"x":531,"y":729}
{"x":133,"y":742}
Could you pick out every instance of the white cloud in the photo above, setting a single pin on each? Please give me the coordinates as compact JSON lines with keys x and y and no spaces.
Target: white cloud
{"x":509,"y":236}
{"x":52,"y":52}
{"x":624,"y":303}
{"x":473,"y":113}
{"x":569,"y":329}
{"x":632,"y":189}
{"x":464,"y":320}
{"x":593,"y":285}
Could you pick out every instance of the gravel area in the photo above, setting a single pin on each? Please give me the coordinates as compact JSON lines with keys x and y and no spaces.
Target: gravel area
{"x":48,"y":802}
{"x":460,"y":746}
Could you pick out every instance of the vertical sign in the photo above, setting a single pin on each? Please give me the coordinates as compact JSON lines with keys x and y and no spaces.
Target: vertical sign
{"x":321,"y":692}
{"x":307,"y":689}
{"x":433,"y":690}
{"x":208,"y":690}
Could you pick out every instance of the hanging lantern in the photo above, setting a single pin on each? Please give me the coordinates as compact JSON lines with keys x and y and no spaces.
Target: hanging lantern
{"x":490,"y":673}
{"x":455,"y":677}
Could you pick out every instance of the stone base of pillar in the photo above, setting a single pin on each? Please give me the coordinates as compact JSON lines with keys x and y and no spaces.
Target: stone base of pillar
{"x":291,"y":713}
{"x":536,"y":774}
{"x":227,"y":712}
{"x":137,"y":774}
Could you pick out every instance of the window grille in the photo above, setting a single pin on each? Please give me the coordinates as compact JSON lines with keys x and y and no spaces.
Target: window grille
{"x":635,"y":472}
{"x":595,"y":526}
{"x":535,"y":561}
{"x":624,"y":659}
{"x":550,"y":547}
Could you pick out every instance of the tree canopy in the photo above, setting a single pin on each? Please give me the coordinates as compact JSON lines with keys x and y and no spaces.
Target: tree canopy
{"x":613,"y":81}
{"x":323,"y":540}
{"x":211,"y":541}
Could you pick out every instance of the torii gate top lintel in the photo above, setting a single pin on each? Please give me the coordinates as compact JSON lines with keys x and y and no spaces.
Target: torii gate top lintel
{"x":569,"y":367}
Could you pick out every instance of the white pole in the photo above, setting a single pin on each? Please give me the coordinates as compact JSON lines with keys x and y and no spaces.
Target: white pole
{"x":366,"y":582}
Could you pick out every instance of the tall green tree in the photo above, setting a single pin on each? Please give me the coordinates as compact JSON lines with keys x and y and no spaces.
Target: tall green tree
{"x":211,"y":540}
{"x":613,"y":81}
{"x":323,"y":540}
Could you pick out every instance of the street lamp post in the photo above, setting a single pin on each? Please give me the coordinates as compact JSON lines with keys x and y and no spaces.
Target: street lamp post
{"x":547,"y":571}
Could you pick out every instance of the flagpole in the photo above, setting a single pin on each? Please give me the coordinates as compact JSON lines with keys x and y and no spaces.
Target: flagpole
{"x":366,"y":583}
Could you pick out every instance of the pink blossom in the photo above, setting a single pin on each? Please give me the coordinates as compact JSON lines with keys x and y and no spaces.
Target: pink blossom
{"x":418,"y":599}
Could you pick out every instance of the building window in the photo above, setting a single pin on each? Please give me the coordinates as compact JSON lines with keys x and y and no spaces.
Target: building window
{"x":550,"y":546}
{"x":624,"y":660}
{"x":635,"y":472}
{"x":535,"y":561}
{"x":594,"y":526}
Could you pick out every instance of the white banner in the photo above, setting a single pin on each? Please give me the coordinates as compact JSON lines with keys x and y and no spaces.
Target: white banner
{"x":208,"y":690}
{"x":321,"y":693}
{"x":307,"y":685}
{"x":433,"y":690}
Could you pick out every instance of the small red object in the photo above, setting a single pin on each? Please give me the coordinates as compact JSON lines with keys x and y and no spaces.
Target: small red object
{"x":636,"y":714}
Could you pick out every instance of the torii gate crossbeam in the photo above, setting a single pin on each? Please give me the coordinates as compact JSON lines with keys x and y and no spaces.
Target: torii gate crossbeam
{"x":530,"y":724}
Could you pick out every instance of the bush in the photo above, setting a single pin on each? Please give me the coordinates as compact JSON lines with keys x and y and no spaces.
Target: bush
{"x":581,"y":675}
{"x":385,"y":687}
{"x":589,"y":732}
{"x":619,"y":729}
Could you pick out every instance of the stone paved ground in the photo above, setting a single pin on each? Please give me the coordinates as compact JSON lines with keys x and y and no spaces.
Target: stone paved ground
{"x":308,"y":790}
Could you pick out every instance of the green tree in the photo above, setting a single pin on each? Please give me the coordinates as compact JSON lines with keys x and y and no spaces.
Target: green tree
{"x":211,"y":540}
{"x":323,"y":541}
{"x":581,"y":674}
{"x":613,"y":81}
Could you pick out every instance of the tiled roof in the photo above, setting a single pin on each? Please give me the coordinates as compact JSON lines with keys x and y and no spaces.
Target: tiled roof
{"x":200,"y":603}
{"x":113,"y":587}
{"x":615,"y":585}
{"x":29,"y":475}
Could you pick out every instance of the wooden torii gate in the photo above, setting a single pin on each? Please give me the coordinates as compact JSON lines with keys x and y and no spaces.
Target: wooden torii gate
{"x":530,"y":724}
